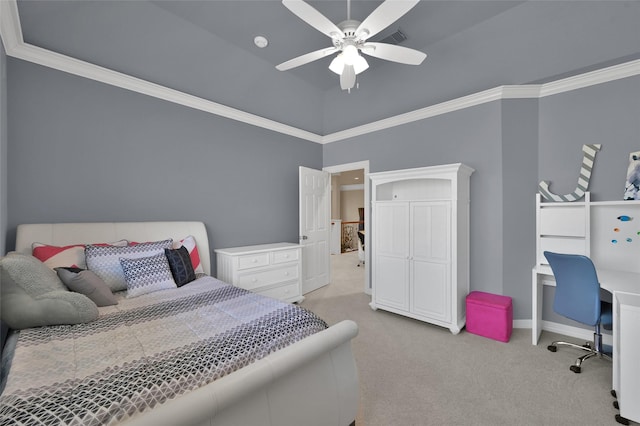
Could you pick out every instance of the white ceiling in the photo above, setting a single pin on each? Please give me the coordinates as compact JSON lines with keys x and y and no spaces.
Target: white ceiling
{"x":205,"y":48}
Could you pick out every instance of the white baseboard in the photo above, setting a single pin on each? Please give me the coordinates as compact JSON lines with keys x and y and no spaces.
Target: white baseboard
{"x":566,"y":330}
{"x":577,"y":332}
{"x":521,"y":323}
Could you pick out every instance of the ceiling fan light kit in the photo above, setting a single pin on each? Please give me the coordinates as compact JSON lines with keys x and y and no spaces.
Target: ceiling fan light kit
{"x":350,"y":38}
{"x":338,"y":63}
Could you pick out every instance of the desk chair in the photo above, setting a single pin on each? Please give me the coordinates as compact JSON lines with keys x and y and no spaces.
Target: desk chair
{"x":578,"y":298}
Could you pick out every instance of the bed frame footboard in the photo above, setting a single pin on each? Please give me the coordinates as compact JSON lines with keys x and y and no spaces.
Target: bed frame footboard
{"x":312,"y":382}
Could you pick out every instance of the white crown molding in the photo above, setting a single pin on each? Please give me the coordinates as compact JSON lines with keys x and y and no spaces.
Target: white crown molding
{"x":14,"y":45}
{"x":10,"y":28}
{"x":17,"y":48}
{"x":603,"y":75}
{"x":497,"y":93}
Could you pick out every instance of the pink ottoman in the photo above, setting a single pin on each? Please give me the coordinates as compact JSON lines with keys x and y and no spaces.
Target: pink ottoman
{"x":489,"y":315}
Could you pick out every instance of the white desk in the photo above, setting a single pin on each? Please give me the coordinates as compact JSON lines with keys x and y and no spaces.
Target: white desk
{"x":625,"y":287}
{"x":610,"y":280}
{"x":596,"y":229}
{"x":626,"y":341}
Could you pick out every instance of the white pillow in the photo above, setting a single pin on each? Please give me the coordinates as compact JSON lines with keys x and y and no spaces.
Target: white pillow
{"x":147,"y":274}
{"x":105,"y":260}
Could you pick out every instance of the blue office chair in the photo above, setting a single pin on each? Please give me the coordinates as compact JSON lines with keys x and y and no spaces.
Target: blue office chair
{"x":578,"y":298}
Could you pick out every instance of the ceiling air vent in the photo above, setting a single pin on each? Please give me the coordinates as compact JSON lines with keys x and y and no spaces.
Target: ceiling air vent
{"x":395,"y":38}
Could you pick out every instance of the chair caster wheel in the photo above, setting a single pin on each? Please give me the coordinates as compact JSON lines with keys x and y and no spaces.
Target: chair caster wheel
{"x":621,"y":420}
{"x":552,"y":348}
{"x":613,"y":393}
{"x":576,"y":369}
{"x":616,"y":405}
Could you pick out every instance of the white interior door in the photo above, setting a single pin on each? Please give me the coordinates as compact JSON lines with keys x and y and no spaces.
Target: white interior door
{"x":315,"y":190}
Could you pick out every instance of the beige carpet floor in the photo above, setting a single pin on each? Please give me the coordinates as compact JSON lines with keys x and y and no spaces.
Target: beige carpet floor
{"x":414,"y":373}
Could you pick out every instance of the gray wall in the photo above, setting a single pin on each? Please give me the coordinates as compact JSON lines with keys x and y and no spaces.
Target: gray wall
{"x":607,"y":114}
{"x":3,"y":149}
{"x":471,"y":136}
{"x":3,"y":168}
{"x":513,"y":144}
{"x":519,"y":184}
{"x":84,"y":151}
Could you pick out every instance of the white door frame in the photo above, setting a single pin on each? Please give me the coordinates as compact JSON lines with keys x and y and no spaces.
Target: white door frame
{"x":367,"y":212}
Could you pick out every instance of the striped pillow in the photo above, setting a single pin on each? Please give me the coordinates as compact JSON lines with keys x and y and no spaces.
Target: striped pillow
{"x":189,"y":243}
{"x":66,"y":256}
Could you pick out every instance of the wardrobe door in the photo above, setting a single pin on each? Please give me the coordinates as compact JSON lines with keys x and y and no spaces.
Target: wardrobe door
{"x":430,"y":259}
{"x":390,"y":268}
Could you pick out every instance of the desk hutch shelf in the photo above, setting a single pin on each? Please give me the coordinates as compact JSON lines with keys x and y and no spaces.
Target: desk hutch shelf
{"x":591,"y":228}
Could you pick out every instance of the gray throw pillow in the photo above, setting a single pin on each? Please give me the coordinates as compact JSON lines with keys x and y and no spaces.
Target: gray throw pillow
{"x":32,"y":295}
{"x":87,"y":283}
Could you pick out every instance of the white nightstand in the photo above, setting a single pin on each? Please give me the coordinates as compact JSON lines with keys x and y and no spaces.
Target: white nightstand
{"x":272,"y":270}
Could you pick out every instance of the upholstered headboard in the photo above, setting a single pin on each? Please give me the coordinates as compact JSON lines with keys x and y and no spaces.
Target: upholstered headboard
{"x":61,"y":234}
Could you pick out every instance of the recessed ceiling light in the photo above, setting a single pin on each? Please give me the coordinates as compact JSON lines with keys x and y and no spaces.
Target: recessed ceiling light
{"x":261,"y":41}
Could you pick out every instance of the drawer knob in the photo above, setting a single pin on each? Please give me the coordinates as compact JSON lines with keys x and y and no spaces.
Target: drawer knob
{"x":254,"y":260}
{"x":286,"y":256}
{"x":286,"y":274}
{"x":254,"y":280}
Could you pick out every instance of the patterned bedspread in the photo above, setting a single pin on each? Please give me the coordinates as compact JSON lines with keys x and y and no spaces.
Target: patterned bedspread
{"x":144,"y":351}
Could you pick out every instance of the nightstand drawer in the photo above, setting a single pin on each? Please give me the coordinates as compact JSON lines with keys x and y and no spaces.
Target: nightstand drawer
{"x":253,"y":260}
{"x":283,"y":292}
{"x":285,"y":256}
{"x":264,"y":278}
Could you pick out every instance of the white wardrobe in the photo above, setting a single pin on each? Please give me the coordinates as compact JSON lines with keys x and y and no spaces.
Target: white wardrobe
{"x":420,"y":243}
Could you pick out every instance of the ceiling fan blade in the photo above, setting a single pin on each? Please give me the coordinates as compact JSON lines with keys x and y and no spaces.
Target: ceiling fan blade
{"x":314,"y":18}
{"x":391,"y":52}
{"x":306,"y":58}
{"x":386,"y":14}
{"x":347,"y":78}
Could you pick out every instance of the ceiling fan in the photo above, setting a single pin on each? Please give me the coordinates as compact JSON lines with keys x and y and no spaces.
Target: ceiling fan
{"x":350,"y":37}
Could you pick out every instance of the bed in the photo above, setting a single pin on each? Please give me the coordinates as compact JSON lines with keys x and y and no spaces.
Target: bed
{"x":307,"y":378}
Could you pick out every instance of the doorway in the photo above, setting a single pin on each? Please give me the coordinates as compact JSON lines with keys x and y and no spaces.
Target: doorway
{"x":350,"y":200}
